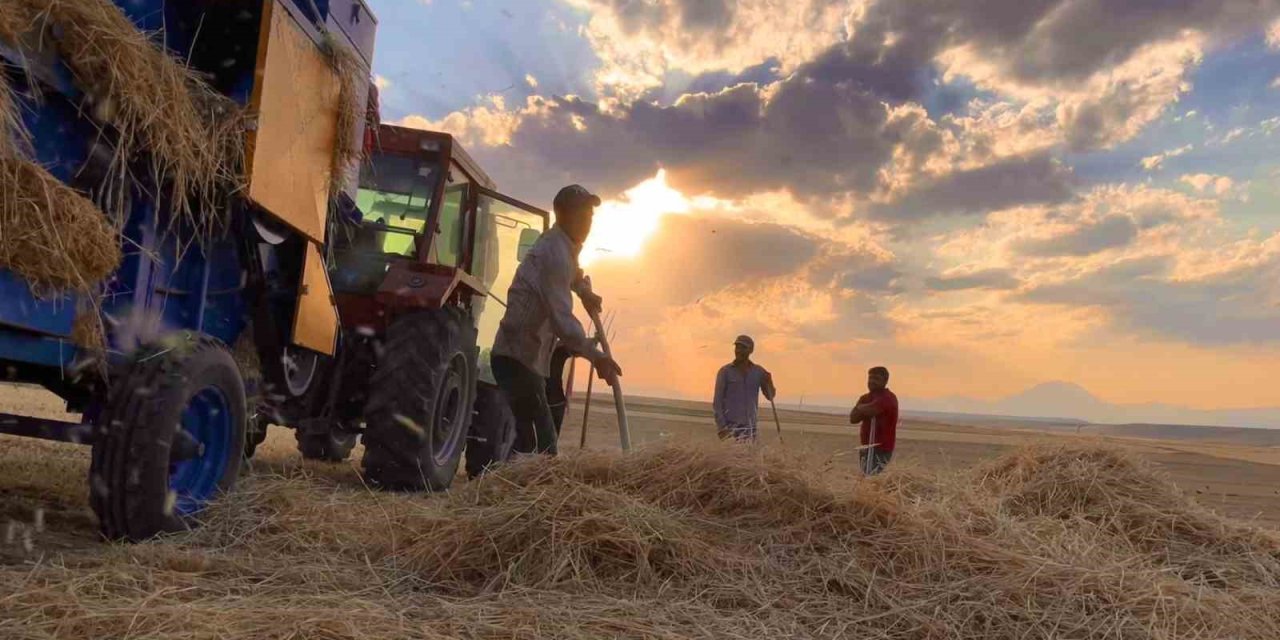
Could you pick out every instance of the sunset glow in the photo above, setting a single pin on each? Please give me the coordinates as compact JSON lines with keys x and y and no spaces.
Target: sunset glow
{"x":623,"y":225}
{"x":982,"y":201}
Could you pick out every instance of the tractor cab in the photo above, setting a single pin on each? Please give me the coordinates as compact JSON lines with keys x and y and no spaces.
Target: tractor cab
{"x":430,"y":231}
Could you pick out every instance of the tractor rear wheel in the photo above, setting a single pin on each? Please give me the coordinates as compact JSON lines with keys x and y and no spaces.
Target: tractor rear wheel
{"x":493,"y":431}
{"x":170,"y":438}
{"x":420,"y":401}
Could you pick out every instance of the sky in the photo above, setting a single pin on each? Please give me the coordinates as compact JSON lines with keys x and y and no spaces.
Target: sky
{"x":982,"y":195}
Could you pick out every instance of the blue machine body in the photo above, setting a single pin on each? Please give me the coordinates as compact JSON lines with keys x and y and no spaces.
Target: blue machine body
{"x":166,"y":277}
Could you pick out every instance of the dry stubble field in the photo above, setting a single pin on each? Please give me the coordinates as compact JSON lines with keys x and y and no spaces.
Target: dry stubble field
{"x":691,"y":540}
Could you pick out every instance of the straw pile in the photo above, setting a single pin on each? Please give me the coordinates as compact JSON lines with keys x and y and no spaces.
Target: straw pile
{"x":51,"y":235}
{"x":725,"y":543}
{"x":189,"y":134}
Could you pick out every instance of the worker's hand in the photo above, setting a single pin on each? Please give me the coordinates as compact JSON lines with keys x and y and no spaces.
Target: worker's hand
{"x":770,"y":391}
{"x":591,"y":302}
{"x":608,"y":369}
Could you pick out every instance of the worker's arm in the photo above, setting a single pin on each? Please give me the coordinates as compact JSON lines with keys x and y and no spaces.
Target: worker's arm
{"x":766,"y":385}
{"x":717,"y":404}
{"x":557,"y":277}
{"x":864,"y":410}
{"x":582,"y":286}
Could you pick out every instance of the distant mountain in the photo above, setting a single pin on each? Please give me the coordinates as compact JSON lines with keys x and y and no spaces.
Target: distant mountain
{"x":1068,"y":401}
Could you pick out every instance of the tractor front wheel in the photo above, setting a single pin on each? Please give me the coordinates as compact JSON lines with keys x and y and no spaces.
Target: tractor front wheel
{"x":420,"y":401}
{"x":170,"y":438}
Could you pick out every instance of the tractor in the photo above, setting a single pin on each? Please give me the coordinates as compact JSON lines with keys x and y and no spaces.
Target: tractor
{"x":196,"y":306}
{"x":419,"y":274}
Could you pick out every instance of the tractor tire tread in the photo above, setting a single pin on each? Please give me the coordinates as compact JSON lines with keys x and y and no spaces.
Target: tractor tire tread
{"x":132,"y":423}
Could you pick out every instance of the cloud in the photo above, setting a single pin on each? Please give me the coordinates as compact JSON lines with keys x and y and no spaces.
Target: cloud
{"x":1206,"y":183}
{"x":641,"y":43}
{"x":530,"y":80}
{"x":1273,"y":34}
{"x":995,"y":279}
{"x":1035,"y":179}
{"x":1238,"y":306}
{"x":1151,"y":163}
{"x":841,"y":120}
{"x":489,"y":123}
{"x":1111,"y":232}
{"x":381,"y":82}
{"x":1137,"y":219}
{"x":691,"y":256}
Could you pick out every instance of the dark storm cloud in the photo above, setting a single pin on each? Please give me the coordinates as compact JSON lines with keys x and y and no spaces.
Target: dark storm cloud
{"x":1036,"y":179}
{"x":825,"y":130}
{"x":997,"y":279}
{"x":1108,"y":233}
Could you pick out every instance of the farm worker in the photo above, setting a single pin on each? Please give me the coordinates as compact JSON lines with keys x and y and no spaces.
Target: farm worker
{"x":737,"y":397}
{"x":877,"y":410}
{"x":540,"y":311}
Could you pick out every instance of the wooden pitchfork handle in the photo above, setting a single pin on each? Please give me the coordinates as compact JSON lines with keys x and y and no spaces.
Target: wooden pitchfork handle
{"x":624,"y":430}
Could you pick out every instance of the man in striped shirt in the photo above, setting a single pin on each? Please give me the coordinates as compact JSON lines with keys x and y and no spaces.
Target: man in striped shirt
{"x":540,"y":312}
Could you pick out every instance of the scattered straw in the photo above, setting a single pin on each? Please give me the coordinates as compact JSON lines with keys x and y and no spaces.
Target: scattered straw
{"x":51,"y":235}
{"x":349,"y":149}
{"x":728,"y":542}
{"x":12,"y":133}
{"x":87,"y":330}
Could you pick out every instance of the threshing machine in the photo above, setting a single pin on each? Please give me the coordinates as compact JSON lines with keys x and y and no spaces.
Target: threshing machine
{"x":163,"y":401}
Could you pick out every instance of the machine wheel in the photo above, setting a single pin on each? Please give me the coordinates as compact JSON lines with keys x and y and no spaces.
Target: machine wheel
{"x":493,"y":431}
{"x":420,"y":401}
{"x":334,"y":445}
{"x":170,"y":438}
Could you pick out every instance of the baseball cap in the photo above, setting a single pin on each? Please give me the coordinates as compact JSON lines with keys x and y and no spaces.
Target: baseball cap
{"x":573,"y":197}
{"x":745,"y":341}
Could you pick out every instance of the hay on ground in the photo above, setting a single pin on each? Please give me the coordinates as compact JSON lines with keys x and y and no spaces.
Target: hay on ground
{"x":724,"y":542}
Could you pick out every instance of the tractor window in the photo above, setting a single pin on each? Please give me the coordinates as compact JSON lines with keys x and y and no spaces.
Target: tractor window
{"x":446,"y":248}
{"x":504,"y":233}
{"x":395,"y":198}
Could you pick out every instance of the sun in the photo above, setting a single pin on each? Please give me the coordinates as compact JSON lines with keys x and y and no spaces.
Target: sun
{"x":623,"y":225}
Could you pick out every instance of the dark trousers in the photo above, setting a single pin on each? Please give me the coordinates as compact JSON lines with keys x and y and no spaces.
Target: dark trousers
{"x":527,"y":392}
{"x":879,"y":460}
{"x":555,"y":387}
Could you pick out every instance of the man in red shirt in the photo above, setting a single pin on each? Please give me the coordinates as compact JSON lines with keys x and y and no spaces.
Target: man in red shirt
{"x":878,"y":412}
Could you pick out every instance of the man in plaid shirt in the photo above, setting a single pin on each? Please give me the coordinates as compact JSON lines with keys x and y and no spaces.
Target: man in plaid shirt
{"x":540,"y":312}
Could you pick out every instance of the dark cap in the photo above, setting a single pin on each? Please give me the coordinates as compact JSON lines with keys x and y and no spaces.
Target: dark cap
{"x":574,"y":197}
{"x":745,"y":341}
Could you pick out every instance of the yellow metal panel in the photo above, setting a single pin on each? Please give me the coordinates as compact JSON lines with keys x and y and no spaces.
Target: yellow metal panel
{"x":316,"y":324}
{"x":295,"y":98}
